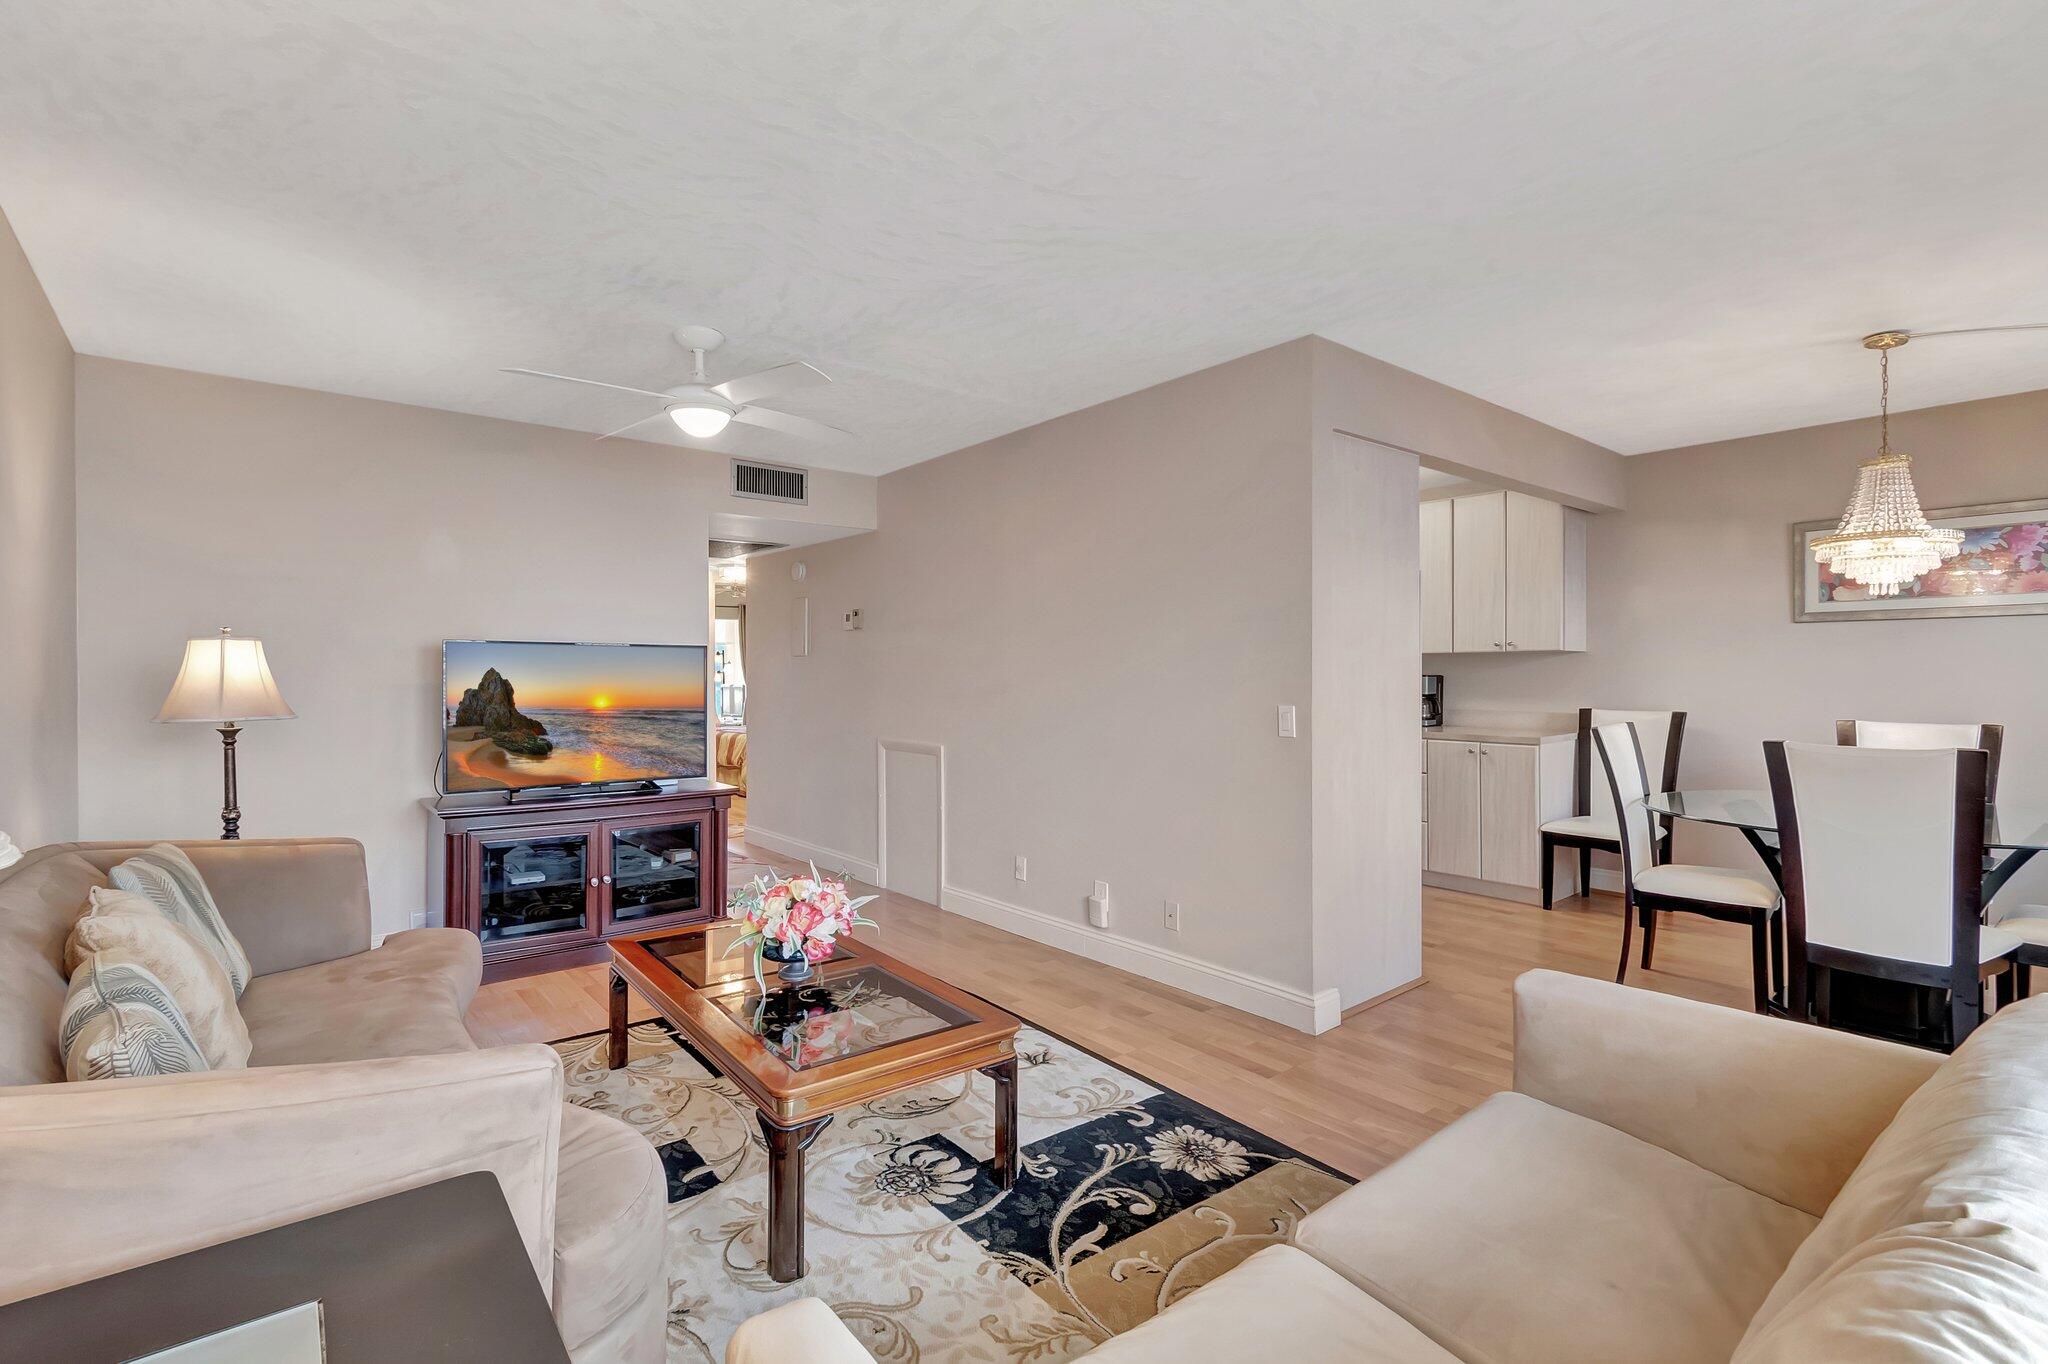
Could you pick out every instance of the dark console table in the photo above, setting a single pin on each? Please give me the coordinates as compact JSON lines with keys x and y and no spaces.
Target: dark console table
{"x":436,"y":1274}
{"x":547,"y":879}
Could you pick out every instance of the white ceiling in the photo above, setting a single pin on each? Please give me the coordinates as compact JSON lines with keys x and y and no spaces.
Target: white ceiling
{"x":1647,"y":223}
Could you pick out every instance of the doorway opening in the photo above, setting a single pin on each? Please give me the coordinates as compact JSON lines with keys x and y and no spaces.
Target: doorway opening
{"x":729,"y":679}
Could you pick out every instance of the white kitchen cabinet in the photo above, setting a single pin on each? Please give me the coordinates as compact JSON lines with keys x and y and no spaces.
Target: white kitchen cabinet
{"x":1479,"y":603}
{"x":1437,"y":568}
{"x":1514,"y":575}
{"x":1484,"y":808}
{"x":1510,"y":842}
{"x":1451,"y":843}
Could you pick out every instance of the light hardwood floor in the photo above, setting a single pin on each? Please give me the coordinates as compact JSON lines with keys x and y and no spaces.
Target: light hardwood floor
{"x":1355,"y":1097}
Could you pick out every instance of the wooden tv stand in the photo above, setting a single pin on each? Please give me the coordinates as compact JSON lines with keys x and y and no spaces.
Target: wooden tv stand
{"x":546,"y":879}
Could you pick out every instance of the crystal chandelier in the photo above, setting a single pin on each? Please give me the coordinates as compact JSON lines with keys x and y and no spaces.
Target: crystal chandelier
{"x":1883,"y":540}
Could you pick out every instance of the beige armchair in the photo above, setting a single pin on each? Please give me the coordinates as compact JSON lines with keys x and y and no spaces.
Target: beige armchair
{"x":362,"y":1081}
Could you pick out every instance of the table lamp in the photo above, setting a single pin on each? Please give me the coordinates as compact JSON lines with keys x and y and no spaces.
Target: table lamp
{"x":224,"y":680}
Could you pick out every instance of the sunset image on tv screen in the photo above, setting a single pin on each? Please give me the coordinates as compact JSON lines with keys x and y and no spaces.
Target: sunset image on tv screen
{"x":519,"y":715}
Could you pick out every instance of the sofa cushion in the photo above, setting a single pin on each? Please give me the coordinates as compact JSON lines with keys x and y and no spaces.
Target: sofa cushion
{"x":1523,"y":1231}
{"x":1278,"y":1305}
{"x":165,"y":875}
{"x":611,"y":1220}
{"x":41,"y":897}
{"x":121,"y":1022}
{"x":122,"y":928}
{"x":1937,"y":1246}
{"x":405,"y":998}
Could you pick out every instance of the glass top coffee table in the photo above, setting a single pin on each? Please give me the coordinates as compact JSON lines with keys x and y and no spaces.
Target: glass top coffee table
{"x":863,"y":1026}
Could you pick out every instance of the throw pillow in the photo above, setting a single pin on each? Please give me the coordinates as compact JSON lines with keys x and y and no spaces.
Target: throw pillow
{"x":164,"y":874}
{"x":122,"y":928}
{"x":120,"y":1022}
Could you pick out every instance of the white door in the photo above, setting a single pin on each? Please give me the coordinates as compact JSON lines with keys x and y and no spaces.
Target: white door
{"x":1510,"y":841}
{"x":1437,"y":570}
{"x":1535,"y":573}
{"x":1451,"y":843}
{"x":1479,"y":572}
{"x":910,"y":815}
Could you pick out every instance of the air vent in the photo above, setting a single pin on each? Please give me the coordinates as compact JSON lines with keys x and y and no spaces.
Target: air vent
{"x":770,"y":482}
{"x":740,"y":549}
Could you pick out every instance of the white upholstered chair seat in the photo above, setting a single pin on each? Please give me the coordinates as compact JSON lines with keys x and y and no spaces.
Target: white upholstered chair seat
{"x":1993,"y":943}
{"x":2028,"y":923}
{"x":1717,"y":885}
{"x":1586,"y":826}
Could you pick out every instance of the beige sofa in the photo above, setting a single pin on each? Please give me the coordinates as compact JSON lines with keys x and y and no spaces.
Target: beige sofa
{"x":1667,"y":1181}
{"x":362,"y":1081}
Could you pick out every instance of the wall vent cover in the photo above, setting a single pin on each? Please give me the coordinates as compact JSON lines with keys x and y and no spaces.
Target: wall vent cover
{"x":770,"y":482}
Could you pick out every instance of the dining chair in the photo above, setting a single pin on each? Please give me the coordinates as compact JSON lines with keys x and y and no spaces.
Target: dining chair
{"x":1650,"y":884}
{"x":1593,"y":827}
{"x":1883,"y":867}
{"x":1903,"y":734}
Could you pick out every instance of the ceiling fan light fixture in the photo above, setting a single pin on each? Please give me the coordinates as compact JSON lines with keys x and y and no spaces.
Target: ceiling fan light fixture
{"x":699,"y":419}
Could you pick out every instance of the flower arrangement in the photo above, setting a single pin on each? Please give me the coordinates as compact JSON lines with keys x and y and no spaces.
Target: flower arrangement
{"x":794,"y":921}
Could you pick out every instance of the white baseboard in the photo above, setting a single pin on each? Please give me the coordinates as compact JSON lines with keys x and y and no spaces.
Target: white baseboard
{"x":828,"y":859}
{"x":1309,"y":1013}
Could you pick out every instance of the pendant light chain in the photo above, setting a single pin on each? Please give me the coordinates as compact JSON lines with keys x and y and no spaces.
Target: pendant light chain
{"x":1884,"y":402}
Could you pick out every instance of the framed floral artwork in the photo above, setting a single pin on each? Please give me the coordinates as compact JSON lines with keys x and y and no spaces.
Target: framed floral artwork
{"x":2002,"y":570}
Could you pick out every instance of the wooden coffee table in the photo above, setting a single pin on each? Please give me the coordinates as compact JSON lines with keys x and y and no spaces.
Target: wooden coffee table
{"x":865,"y":1025}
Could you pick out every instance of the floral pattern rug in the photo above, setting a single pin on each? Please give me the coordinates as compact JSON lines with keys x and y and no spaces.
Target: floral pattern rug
{"x":1128,"y":1197}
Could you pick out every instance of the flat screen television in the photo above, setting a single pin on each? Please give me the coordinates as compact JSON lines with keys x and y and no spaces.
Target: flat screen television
{"x":517,"y":715}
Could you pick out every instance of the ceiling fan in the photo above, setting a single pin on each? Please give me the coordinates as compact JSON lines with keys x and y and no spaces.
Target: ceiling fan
{"x":701,"y":408}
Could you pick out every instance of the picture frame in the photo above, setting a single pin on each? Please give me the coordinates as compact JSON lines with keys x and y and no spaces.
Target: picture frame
{"x":2001,"y":571}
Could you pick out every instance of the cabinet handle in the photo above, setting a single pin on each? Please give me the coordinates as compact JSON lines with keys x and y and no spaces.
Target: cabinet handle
{"x":607,"y":880}
{"x":1511,"y":644}
{"x":593,"y":880}
{"x":1496,"y":644}
{"x":1471,"y":750}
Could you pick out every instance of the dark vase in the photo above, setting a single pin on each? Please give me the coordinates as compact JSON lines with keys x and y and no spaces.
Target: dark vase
{"x":793,"y":965}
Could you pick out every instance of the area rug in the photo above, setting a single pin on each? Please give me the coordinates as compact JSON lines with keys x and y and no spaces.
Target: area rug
{"x":1128,"y":1197}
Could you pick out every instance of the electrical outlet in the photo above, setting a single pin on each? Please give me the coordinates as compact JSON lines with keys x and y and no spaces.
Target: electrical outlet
{"x":1173,"y":916}
{"x":419,"y":918}
{"x":1019,"y":872}
{"x":1098,"y":905}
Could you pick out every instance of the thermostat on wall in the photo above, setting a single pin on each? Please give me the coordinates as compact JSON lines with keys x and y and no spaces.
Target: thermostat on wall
{"x":799,"y":570}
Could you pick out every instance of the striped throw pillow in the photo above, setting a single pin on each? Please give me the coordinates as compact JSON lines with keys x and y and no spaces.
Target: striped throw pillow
{"x":167,"y":877}
{"x":119,"y":1021}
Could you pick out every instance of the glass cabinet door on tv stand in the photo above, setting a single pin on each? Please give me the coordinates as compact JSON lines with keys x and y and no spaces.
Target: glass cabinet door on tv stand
{"x":534,"y":884}
{"x":654,"y":872}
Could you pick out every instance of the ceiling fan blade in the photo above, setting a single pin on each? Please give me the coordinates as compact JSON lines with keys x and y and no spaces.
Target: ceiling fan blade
{"x":594,"y":383}
{"x":765,"y":383}
{"x":632,"y":425}
{"x":789,"y":424}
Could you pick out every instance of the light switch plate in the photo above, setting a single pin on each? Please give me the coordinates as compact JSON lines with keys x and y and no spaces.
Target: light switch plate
{"x":853,"y":619}
{"x":1020,"y":867}
{"x":1287,"y":722}
{"x":1173,"y":916}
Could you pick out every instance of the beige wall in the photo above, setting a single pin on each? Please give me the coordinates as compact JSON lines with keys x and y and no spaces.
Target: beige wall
{"x":1690,"y":607}
{"x":1097,"y":618}
{"x":352,"y":537}
{"x":1366,"y":830}
{"x":1379,"y":402}
{"x":38,"y":579}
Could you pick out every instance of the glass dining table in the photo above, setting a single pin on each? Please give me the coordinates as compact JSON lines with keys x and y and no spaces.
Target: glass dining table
{"x":2014,"y":830}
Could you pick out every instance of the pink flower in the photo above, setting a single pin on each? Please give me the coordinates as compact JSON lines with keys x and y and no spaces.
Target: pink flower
{"x":2026,"y":541}
{"x":817,"y":951}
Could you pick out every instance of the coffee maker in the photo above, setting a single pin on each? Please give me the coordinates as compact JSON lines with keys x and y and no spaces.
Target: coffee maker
{"x":1432,"y":700}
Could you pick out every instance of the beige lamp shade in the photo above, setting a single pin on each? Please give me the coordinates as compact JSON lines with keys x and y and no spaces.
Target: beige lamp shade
{"x":223,"y":679}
